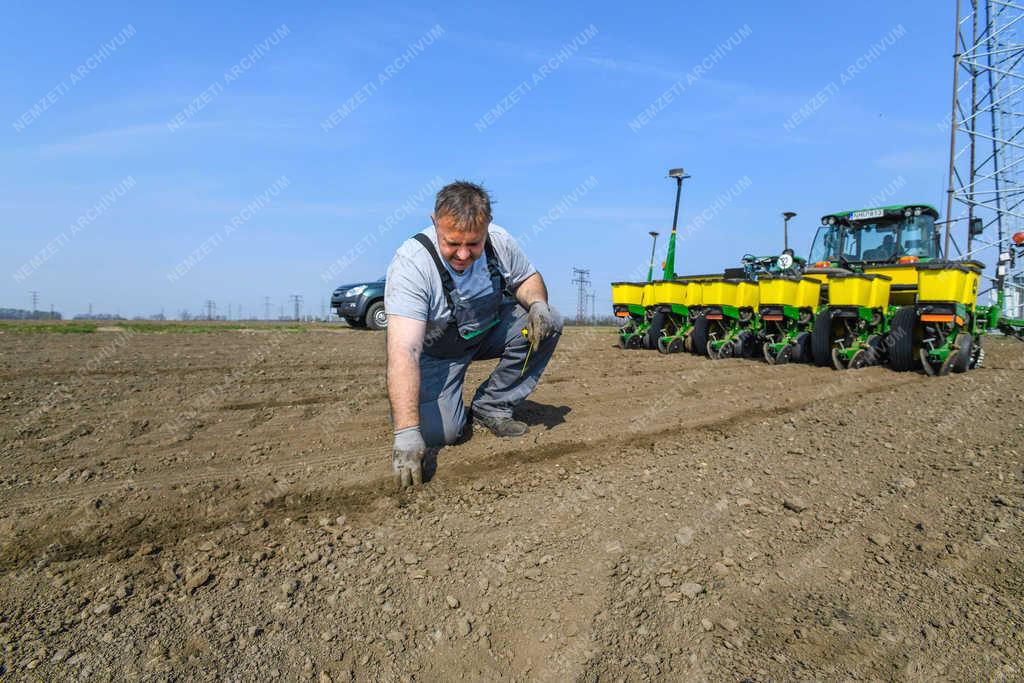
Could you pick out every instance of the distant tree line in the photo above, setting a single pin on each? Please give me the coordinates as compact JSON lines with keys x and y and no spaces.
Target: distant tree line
{"x":22,"y":314}
{"x":98,"y":316}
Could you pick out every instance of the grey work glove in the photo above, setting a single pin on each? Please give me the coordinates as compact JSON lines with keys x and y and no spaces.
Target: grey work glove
{"x":407,"y":457}
{"x":540,"y":323}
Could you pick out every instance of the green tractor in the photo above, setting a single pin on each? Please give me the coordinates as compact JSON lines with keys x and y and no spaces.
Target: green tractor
{"x":891,"y":297}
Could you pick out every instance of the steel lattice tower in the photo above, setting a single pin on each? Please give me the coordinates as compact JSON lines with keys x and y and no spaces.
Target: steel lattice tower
{"x":581,"y":278}
{"x":986,"y":161}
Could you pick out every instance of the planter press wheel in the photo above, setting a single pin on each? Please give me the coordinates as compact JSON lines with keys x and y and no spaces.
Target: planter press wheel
{"x":785,"y":355}
{"x":662,"y":346}
{"x":965,"y":352}
{"x":930,"y":369}
{"x":837,"y":360}
{"x":768,"y":355}
{"x":634,"y":341}
{"x":676,"y":345}
{"x":861,"y":359}
{"x":727,"y":350}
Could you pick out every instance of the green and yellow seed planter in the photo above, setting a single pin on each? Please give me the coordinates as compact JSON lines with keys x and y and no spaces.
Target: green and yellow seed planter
{"x":786,"y":308}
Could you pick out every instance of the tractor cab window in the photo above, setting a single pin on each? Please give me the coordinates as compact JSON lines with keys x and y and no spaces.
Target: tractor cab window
{"x":919,"y":237}
{"x":877,"y":241}
{"x":826,"y":244}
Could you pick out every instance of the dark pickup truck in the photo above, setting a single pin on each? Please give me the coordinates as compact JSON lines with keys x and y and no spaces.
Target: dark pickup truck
{"x":361,"y":304}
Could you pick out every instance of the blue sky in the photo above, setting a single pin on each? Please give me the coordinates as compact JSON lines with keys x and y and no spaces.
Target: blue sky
{"x":158,"y":109}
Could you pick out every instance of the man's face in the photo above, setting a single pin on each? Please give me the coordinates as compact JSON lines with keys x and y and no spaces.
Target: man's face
{"x":460,"y":248}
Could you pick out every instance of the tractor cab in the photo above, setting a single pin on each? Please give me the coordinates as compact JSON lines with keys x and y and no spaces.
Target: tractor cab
{"x":886,"y":235}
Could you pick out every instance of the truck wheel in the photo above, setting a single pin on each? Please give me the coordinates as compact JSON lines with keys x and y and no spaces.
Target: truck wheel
{"x":354,"y":322}
{"x":376,"y":318}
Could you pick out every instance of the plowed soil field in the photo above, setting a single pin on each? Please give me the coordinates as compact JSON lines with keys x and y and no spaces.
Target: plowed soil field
{"x":218,"y":506}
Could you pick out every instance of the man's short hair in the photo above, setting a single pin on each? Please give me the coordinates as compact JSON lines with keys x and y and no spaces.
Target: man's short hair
{"x":468,"y":203}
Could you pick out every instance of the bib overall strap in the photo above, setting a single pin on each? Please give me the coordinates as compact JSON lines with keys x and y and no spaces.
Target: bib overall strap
{"x":494,"y":267}
{"x":447,"y":284}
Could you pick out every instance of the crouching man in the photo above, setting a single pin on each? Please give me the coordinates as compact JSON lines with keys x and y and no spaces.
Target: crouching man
{"x":461,"y":290}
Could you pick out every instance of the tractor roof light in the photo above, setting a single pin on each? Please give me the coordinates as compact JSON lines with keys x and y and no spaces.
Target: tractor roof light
{"x":917,"y":211}
{"x":908,"y":212}
{"x":823,"y":264}
{"x":1018,"y":238}
{"x":909,"y":259}
{"x":831,"y":220}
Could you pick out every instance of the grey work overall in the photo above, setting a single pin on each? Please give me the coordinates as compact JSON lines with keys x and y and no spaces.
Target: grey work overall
{"x":484,"y":327}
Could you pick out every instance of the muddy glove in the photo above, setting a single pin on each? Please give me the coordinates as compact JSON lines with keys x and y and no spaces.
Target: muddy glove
{"x":540,"y":323}
{"x":407,"y":457}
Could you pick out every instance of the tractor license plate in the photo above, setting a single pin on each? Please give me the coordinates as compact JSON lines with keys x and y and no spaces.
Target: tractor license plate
{"x":866,"y":214}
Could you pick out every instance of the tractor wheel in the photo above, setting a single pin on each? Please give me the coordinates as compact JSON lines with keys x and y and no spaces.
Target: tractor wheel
{"x":821,"y":339}
{"x":654,"y":331}
{"x":699,"y":337}
{"x":964,"y":351}
{"x":802,"y":348}
{"x":746,"y":345}
{"x":901,"y":340}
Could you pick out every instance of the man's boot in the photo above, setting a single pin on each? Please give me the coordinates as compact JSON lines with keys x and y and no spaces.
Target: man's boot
{"x":501,"y":426}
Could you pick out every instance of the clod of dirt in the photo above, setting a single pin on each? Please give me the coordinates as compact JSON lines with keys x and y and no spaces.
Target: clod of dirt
{"x":691,"y":589}
{"x":879,"y":539}
{"x":795,"y":504}
{"x":200,"y":577}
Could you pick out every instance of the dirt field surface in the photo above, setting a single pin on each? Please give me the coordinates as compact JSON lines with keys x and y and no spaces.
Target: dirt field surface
{"x":218,"y":506}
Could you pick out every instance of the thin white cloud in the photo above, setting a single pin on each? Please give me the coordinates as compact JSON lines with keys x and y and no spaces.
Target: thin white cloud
{"x":112,"y":141}
{"x":634,"y":68}
{"x":910,"y":160}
